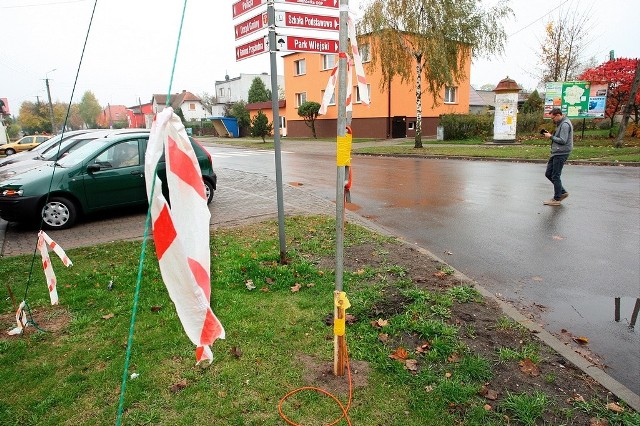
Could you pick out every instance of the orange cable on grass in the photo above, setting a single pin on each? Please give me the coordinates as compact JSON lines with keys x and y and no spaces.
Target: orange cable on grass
{"x":345,"y":410}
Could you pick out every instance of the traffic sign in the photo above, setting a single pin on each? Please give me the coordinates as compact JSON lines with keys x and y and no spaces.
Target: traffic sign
{"x":333,"y":4}
{"x":252,"y":48}
{"x":244,"y":6}
{"x":306,"y":44}
{"x":305,"y":20}
{"x":251,"y":25}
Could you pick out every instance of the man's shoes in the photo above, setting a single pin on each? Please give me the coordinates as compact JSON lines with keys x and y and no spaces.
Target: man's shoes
{"x":564,"y":195}
{"x":551,"y":202}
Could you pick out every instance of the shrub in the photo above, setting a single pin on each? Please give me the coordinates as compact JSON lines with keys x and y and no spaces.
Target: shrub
{"x":466,"y":126}
{"x":604,"y":125}
{"x":529,"y":123}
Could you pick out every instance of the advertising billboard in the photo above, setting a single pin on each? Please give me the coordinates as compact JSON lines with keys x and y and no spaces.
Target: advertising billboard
{"x":576,"y":99}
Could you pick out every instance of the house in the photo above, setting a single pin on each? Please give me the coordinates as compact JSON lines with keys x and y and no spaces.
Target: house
{"x":190,"y":104}
{"x":236,"y":89}
{"x":265,"y":107}
{"x":392,"y":112}
{"x":113,"y":116}
{"x":140,"y":116}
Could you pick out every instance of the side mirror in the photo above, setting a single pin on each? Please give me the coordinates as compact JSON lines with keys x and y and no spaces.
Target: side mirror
{"x":93,"y":168}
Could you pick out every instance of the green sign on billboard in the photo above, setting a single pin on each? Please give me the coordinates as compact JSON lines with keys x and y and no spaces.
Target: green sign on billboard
{"x":576,"y":99}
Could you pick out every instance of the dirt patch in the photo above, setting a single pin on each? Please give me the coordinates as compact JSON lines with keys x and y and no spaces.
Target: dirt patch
{"x":481,"y":330}
{"x":51,"y":319}
{"x":320,"y":374}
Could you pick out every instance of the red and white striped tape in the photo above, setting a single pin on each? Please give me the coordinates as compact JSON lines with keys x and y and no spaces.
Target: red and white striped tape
{"x":21,"y":320}
{"x":44,"y":244}
{"x":181,"y":231}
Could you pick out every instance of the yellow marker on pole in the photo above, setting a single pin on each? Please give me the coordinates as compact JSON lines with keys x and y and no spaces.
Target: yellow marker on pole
{"x":341,"y":304}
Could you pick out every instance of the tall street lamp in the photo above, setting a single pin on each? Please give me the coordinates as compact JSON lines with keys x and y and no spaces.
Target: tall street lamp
{"x":53,"y":123}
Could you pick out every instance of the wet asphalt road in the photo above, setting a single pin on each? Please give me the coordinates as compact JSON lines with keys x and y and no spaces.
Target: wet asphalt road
{"x":565,"y":265}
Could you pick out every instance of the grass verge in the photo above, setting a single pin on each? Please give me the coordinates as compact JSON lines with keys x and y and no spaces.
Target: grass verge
{"x":424,"y":346}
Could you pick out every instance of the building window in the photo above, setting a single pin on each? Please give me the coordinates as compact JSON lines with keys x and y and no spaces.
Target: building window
{"x":332,"y":101}
{"x":229,"y":92}
{"x":301,"y":98}
{"x":365,"y":52}
{"x":301,"y":66}
{"x":192,"y":107}
{"x":283,"y":122}
{"x":328,"y":62}
{"x":357,"y":90}
{"x":450,"y":95}
{"x":412,"y":125}
{"x":222,"y":92}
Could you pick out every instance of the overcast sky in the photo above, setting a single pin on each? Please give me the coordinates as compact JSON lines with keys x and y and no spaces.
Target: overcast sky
{"x":131,"y":45}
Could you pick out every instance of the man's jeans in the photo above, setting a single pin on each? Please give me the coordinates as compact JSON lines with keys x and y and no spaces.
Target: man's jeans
{"x":554,"y":170}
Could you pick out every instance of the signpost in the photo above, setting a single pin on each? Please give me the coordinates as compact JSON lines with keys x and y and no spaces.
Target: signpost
{"x":306,"y":44}
{"x":244,"y":6}
{"x":304,"y":20}
{"x":333,"y":4}
{"x":252,"y":48}
{"x":251,"y":25}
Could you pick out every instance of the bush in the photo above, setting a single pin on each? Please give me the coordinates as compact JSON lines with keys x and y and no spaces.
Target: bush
{"x":530,"y":123}
{"x":466,"y":126}
{"x":604,"y":125}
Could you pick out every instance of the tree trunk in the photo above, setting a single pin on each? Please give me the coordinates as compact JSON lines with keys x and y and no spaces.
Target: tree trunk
{"x":418,"y":139}
{"x":627,"y":108}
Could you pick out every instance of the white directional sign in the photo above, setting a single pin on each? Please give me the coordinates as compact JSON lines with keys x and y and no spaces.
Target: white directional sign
{"x":251,"y":25}
{"x":333,"y":4}
{"x":305,"y":20}
{"x":252,"y":48}
{"x":244,"y":6}
{"x":306,"y":44}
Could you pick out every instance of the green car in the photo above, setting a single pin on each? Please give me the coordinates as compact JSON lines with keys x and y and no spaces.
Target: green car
{"x":104,"y":174}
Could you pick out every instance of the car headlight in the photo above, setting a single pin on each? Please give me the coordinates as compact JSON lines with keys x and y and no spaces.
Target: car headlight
{"x":12,"y":192}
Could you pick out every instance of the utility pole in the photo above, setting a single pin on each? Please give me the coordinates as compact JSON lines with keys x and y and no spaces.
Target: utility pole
{"x":53,"y":123}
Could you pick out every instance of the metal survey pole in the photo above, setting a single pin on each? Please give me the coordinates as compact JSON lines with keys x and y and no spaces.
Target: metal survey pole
{"x":339,"y":314}
{"x":276,"y":127}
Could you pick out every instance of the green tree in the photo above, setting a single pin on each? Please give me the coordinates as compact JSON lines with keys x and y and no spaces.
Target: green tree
{"x":309,"y":112}
{"x":240,"y":112}
{"x":34,"y":117}
{"x":89,"y":109}
{"x":534,"y":103}
{"x":260,"y":126}
{"x":258,"y":92}
{"x":431,"y":40}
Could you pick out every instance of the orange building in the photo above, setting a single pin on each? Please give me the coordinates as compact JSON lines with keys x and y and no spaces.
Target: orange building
{"x":391,"y":114}
{"x":265,"y":107}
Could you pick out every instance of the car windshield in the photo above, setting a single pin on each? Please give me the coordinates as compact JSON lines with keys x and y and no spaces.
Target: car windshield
{"x":80,"y":154}
{"x":66,"y":147}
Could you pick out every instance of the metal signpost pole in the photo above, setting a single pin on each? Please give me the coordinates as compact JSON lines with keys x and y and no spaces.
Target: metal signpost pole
{"x":276,"y":127}
{"x":339,"y":314}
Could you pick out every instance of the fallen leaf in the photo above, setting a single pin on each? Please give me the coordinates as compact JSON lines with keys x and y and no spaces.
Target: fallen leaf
{"x":447,"y":375}
{"x":235,"y":351}
{"x":411,"y":365}
{"x":156,"y":308}
{"x":249,"y":285}
{"x":379,"y":323}
{"x":350,"y":319}
{"x":581,"y":340}
{"x":108,"y":316}
{"x":448,"y":253}
{"x":612,"y":406}
{"x":178,"y":386}
{"x":428,"y":388}
{"x":265,"y":289}
{"x":359,"y":272}
{"x":423,"y":348}
{"x":528,"y":367}
{"x":296,"y":288}
{"x":269,"y":280}
{"x":383,"y":337}
{"x":399,"y":354}
{"x":558,"y":238}
{"x":222,"y":394}
{"x":487,"y":407}
{"x":575,"y":398}
{"x":440,"y":275}
{"x":454,"y":357}
{"x":594,"y":421}
{"x":311,"y":285}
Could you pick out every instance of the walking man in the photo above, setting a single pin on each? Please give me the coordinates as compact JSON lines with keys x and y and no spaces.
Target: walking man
{"x":561,"y":146}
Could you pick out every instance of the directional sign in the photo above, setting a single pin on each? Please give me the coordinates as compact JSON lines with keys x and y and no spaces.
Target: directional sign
{"x":244,"y":6}
{"x":304,"y":20}
{"x":333,"y":4}
{"x":251,"y":25}
{"x":306,"y":44}
{"x":252,"y":48}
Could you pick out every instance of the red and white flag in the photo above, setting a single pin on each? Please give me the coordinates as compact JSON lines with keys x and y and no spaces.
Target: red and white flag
{"x":181,"y":231}
{"x":44,"y":244}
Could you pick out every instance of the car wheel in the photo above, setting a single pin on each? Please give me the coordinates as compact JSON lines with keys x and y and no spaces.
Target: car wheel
{"x":208,"y":190}
{"x":10,"y":151}
{"x":59,"y":213}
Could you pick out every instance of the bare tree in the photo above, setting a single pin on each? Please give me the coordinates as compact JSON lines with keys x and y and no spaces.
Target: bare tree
{"x":562,"y":50}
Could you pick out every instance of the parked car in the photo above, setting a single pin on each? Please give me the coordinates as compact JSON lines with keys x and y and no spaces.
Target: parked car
{"x":55,"y":150}
{"x":23,"y":144}
{"x":40,"y":148}
{"x":95,"y":177}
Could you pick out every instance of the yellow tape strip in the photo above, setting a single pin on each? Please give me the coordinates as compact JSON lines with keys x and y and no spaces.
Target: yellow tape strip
{"x":344,"y":150}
